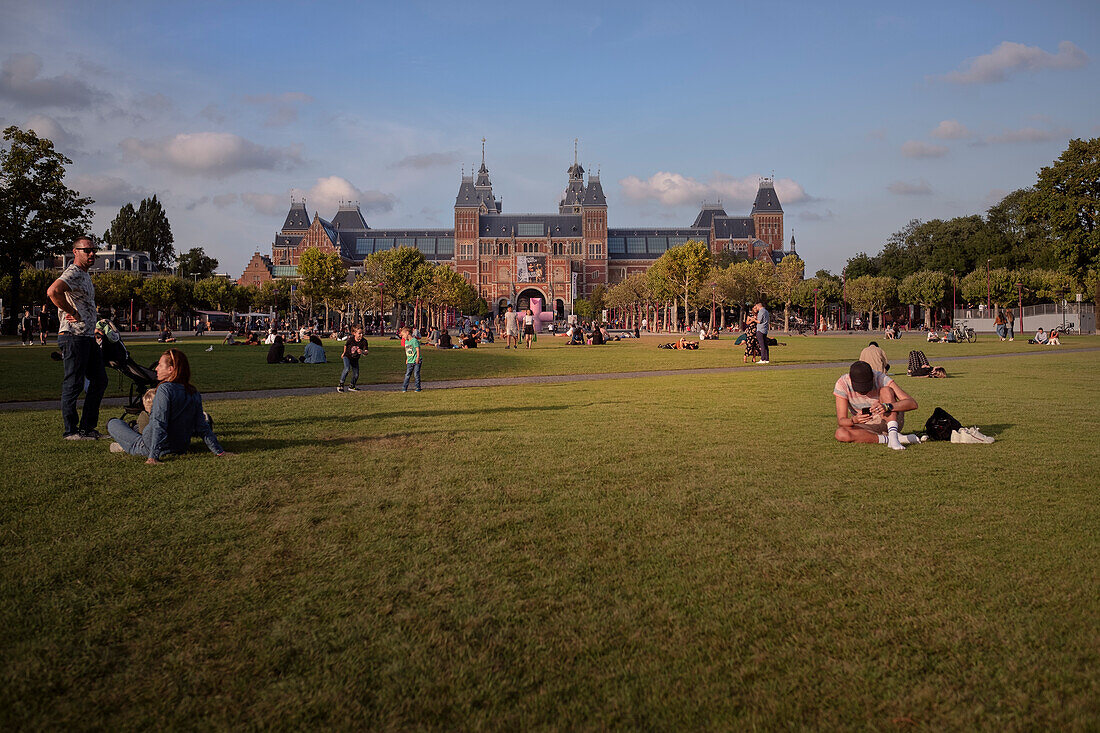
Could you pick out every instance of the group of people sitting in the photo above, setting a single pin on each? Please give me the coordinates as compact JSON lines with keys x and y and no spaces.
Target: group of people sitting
{"x":575,"y":335}
{"x":314,"y":352}
{"x":1046,"y":339}
{"x":891,"y":331}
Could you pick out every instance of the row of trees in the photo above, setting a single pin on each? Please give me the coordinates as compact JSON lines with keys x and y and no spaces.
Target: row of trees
{"x":1054,"y":225}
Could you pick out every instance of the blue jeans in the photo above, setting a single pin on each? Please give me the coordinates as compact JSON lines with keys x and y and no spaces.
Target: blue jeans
{"x":1002,"y":330}
{"x":350,"y":366}
{"x":411,"y":370}
{"x":130,"y":439}
{"x":83,"y":359}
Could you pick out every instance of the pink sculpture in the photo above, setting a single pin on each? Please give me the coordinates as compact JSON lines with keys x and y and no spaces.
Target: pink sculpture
{"x":540,"y":315}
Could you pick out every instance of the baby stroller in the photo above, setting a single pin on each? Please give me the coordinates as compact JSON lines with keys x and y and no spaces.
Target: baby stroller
{"x":117,"y":357}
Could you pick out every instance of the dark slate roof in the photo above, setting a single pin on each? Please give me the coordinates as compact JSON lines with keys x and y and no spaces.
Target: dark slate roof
{"x":573,"y":196}
{"x":593,"y":194}
{"x":483,"y":176}
{"x":287,"y":240}
{"x":349,"y":218}
{"x":467,"y":195}
{"x":560,"y":225}
{"x":734,"y":227}
{"x":347,"y":242}
{"x":696,"y":233}
{"x":297,"y":219}
{"x":576,"y":172}
{"x":707,"y":215}
{"x":330,"y":231}
{"x":766,"y":199}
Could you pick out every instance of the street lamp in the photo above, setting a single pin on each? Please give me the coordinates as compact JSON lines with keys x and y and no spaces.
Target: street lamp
{"x":952,"y":296}
{"x":815,"y":310}
{"x":381,"y":310}
{"x":712,"y":301}
{"x":1020,"y":291}
{"x":989,"y":299}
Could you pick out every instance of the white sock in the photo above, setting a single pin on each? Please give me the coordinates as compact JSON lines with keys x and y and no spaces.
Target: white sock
{"x":892,"y":436}
{"x":882,"y":440}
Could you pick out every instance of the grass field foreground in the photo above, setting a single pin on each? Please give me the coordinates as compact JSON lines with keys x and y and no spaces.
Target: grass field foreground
{"x":665,"y":552}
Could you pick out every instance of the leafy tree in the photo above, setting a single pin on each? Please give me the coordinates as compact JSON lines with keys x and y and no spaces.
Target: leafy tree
{"x":34,"y":284}
{"x":271,"y":295}
{"x":1002,"y":286}
{"x":1068,"y":200}
{"x":684,"y":268}
{"x":583,"y":309}
{"x":320,"y":274}
{"x":144,"y":230}
{"x":215,"y":292}
{"x":926,"y":288}
{"x":598,"y":298}
{"x":116,"y":289}
{"x":788,"y":274}
{"x":860,"y":265}
{"x":868,"y":294}
{"x":194,"y":262}
{"x":39,"y":215}
{"x":827,"y":287}
{"x":744,"y":283}
{"x":166,"y":293}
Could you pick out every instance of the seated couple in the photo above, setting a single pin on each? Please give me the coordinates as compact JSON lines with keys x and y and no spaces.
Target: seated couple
{"x":314,"y":352}
{"x":175,"y":416}
{"x":871,"y":407}
{"x":1050,"y":339}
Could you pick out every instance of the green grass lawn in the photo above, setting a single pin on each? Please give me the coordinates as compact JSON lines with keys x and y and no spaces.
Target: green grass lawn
{"x":658,"y":553}
{"x":31,"y":375}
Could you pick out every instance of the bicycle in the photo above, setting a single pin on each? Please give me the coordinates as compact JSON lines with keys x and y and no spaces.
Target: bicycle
{"x":1069,"y":328}
{"x":963,"y":332}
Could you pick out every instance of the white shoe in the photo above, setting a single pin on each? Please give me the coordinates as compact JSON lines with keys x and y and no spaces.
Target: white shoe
{"x":979,"y":435}
{"x":962,"y":436}
{"x":763,"y":362}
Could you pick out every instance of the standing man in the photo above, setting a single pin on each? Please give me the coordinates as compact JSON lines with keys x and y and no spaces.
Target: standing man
{"x":1011,"y":326}
{"x":412,"y":359}
{"x":511,"y":328}
{"x":763,"y":318}
{"x":74,"y":295}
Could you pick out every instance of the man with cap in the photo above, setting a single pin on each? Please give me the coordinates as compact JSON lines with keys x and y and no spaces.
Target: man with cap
{"x":871,"y":407}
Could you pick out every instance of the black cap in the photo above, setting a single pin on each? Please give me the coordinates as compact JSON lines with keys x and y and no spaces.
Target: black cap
{"x":862,"y":376}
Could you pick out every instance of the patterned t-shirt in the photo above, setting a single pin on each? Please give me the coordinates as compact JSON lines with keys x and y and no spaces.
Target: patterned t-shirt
{"x":81,"y":297}
{"x":411,"y":345}
{"x":857,"y":401}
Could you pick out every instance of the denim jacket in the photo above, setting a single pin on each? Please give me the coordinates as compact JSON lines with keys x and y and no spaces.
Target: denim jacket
{"x":176,"y":416}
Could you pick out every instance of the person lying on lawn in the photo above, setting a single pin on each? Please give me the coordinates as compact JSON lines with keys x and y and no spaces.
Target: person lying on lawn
{"x":175,"y":418}
{"x":871,"y":407}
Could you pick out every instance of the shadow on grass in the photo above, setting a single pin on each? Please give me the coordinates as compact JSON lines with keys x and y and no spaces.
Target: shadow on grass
{"x":260,"y":445}
{"x":345,"y":419}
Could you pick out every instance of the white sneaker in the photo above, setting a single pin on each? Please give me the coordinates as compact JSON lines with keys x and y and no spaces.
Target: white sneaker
{"x":763,"y":362}
{"x":979,"y":435}
{"x":962,"y":436}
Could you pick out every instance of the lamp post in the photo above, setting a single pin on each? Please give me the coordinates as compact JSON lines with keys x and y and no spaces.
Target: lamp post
{"x":952,"y":296}
{"x":989,"y":299}
{"x":381,"y":310}
{"x":1020,"y":307}
{"x":712,"y":302}
{"x":815,"y":310}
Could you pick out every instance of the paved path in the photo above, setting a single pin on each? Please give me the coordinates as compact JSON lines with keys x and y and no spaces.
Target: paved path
{"x":259,"y":394}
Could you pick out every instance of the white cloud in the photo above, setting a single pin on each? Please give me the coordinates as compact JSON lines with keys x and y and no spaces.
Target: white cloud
{"x":268,"y":204}
{"x":282,"y":108}
{"x":428,"y":160}
{"x":108,"y":190}
{"x":1009,"y":57}
{"x":48,"y":127}
{"x":951,"y":130}
{"x":212,"y":154}
{"x":919,"y":149}
{"x":674,"y":189}
{"x":902,"y":188}
{"x":21,"y":83}
{"x":326,"y":195}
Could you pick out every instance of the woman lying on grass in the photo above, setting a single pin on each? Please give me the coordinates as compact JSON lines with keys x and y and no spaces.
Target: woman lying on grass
{"x":176,"y":416}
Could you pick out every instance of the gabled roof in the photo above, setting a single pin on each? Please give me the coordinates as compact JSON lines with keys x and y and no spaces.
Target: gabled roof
{"x":483,"y":176}
{"x":559,"y":225}
{"x":766,"y":199}
{"x":734,"y":227}
{"x":349,"y":218}
{"x":287,"y":240}
{"x":707,"y":214}
{"x":467,"y":194}
{"x":573,"y":195}
{"x":330,"y":231}
{"x":297,"y":219}
{"x":593,"y":194}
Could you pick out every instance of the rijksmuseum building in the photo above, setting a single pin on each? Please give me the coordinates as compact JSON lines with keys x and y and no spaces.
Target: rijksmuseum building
{"x":510,"y":258}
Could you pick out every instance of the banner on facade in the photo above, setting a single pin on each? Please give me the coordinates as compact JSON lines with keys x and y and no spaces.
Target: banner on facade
{"x":573,"y":289}
{"x":530,"y":268}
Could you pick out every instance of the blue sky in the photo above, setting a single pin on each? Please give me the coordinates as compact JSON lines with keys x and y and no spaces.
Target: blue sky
{"x":869,"y":114}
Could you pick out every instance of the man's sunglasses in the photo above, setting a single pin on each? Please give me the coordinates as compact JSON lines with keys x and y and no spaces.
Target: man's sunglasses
{"x":89,"y":250}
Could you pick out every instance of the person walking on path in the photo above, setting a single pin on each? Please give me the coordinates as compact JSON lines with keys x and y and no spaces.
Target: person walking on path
{"x":763,"y":320}
{"x":74,"y":295}
{"x":412,"y":360}
{"x":528,"y":327}
{"x":511,"y":328}
{"x":1000,"y":324}
{"x":354,"y":347}
{"x":43,"y":324}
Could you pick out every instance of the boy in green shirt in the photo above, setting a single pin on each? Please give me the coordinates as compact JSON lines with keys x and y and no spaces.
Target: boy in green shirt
{"x":412,"y":359}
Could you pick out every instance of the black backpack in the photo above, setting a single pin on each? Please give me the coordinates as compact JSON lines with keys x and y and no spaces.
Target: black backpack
{"x":940,"y":425}
{"x":918,"y":364}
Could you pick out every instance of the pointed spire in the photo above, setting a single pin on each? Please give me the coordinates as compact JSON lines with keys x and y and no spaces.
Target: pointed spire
{"x":575,"y":142}
{"x":483,"y":151}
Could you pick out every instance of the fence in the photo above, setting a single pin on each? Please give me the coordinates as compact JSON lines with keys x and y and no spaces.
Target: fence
{"x":1044,"y":315}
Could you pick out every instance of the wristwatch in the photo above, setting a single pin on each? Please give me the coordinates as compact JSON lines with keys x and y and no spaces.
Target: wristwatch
{"x":887,"y":408}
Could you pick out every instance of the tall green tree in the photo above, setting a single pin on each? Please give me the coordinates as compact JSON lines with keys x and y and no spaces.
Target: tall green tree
{"x":788,"y":274}
{"x":320,"y":274}
{"x":166,"y":293}
{"x":214,"y":292}
{"x":1068,"y":200}
{"x":116,"y":289}
{"x":145,"y":229}
{"x":39,"y":215}
{"x":684,"y":268}
{"x":195,"y":263}
{"x":926,"y":288}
